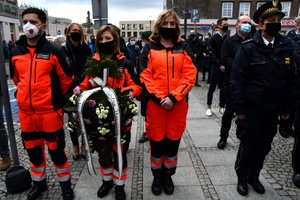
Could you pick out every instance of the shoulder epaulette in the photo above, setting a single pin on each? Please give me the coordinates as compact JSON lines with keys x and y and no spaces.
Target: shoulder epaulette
{"x":247,"y":41}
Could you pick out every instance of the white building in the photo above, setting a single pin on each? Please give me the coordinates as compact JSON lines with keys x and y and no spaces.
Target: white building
{"x":135,"y":28}
{"x":56,"y":25}
{"x":9,"y":20}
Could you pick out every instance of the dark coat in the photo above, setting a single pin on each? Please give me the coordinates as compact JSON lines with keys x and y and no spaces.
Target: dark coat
{"x":260,"y":74}
{"x":214,"y":46}
{"x":78,"y":56}
{"x":229,"y":49}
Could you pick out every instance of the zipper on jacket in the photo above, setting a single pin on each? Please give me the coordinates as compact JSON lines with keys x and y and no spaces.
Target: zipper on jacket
{"x":35,"y":72}
{"x":173,"y":62}
{"x":168,"y":71}
{"x":30,"y":77}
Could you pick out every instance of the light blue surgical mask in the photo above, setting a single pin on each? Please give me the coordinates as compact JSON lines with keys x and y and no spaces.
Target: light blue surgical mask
{"x":245,"y":28}
{"x":132,"y":43}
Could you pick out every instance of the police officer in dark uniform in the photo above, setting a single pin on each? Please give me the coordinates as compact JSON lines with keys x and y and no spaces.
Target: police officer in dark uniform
{"x":259,"y":82}
{"x":295,"y":99}
{"x":229,"y":48}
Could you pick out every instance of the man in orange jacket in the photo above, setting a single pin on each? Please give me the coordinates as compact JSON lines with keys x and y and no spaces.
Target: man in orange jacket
{"x":42,"y":76}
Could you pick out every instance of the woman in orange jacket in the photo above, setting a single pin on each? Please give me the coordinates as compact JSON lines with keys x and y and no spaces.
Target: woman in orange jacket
{"x":168,"y":74}
{"x":107,"y":44}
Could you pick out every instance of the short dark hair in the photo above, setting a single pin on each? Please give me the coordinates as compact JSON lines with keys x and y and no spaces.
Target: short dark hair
{"x":40,"y":13}
{"x":219,"y":22}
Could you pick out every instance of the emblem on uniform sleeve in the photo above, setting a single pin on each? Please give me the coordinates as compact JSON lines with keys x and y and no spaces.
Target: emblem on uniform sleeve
{"x":287,"y":61}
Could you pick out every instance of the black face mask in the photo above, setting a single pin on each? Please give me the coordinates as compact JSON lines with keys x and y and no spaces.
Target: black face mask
{"x":225,"y":28}
{"x":273,"y":28}
{"x":168,"y":33}
{"x":75,"y":36}
{"x":107,"y":47}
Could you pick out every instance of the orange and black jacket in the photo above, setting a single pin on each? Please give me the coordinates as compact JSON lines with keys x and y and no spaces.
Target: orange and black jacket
{"x":125,"y":82}
{"x":41,"y":74}
{"x":167,"y":71}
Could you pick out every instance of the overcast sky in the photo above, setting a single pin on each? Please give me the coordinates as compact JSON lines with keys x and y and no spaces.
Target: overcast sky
{"x":118,"y":10}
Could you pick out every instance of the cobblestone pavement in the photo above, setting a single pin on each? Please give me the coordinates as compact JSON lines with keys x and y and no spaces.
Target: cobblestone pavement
{"x":277,"y":169}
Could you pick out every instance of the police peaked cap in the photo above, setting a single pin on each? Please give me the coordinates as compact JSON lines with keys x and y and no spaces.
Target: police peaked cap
{"x":268,"y":9}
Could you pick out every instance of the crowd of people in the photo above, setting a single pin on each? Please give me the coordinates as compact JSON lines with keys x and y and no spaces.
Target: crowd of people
{"x":250,"y":68}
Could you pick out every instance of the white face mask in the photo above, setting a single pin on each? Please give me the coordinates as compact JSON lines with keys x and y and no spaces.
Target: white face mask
{"x":30,"y":30}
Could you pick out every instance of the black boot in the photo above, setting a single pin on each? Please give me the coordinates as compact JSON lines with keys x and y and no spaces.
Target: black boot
{"x":242,"y":187}
{"x":38,"y":188}
{"x":120,"y":192}
{"x":168,"y":185}
{"x":67,"y":191}
{"x":296,"y":180}
{"x":257,"y":186}
{"x":157,"y":185}
{"x":105,"y":188}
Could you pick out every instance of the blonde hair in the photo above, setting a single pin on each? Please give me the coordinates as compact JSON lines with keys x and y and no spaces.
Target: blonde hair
{"x":161,"y":18}
{"x":297,"y":20}
{"x":80,"y":31}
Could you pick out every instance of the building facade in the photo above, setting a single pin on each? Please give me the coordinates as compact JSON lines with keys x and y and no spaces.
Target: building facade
{"x":57,"y":26}
{"x":211,"y":10}
{"x":9,"y":20}
{"x":134,"y":28}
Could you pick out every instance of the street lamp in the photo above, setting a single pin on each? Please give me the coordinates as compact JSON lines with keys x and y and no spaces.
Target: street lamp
{"x":150,"y":23}
{"x":185,"y":18}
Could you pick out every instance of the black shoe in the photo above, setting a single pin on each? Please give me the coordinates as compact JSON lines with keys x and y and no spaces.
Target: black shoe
{"x":67,"y":191}
{"x":144,"y":138}
{"x":157,"y":186}
{"x":38,"y":188}
{"x":105,"y":188}
{"x":197,"y":85}
{"x":257,"y":186}
{"x":296,"y":180}
{"x":120,"y":192}
{"x":286,"y":132}
{"x":222,"y":143}
{"x":168,"y":185}
{"x":242,"y":187}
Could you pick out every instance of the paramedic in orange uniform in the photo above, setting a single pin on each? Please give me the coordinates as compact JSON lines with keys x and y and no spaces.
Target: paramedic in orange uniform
{"x":167,"y":75}
{"x":42,"y":77}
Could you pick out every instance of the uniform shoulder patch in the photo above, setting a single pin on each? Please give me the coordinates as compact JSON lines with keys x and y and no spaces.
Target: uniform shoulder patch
{"x":247,"y":41}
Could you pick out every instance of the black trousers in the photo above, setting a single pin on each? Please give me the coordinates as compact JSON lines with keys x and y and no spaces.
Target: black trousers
{"x":296,"y":150}
{"x":256,"y":133}
{"x":226,"y":120}
{"x":160,"y":150}
{"x":216,"y":79}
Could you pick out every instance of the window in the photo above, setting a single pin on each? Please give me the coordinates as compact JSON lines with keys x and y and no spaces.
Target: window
{"x":128,"y":34}
{"x":123,"y":34}
{"x":244,"y":9}
{"x":135,"y":34}
{"x":128,"y":26}
{"x":123,"y":26}
{"x":259,"y":4}
{"x":227,"y":9}
{"x":141,"y":26}
{"x":286,"y":8}
{"x":135,"y":26}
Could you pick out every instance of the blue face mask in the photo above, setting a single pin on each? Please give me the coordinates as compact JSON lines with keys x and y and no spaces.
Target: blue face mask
{"x":245,"y":28}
